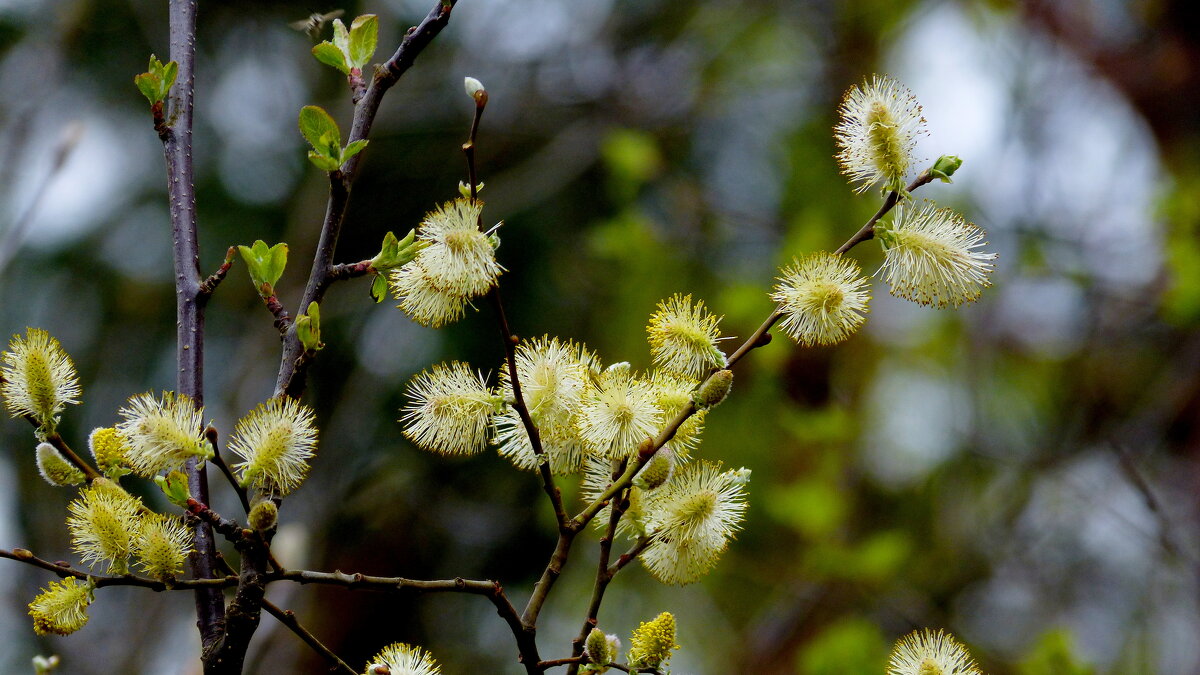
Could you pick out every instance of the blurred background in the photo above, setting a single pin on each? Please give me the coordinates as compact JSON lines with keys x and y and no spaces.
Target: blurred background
{"x":1021,"y":472}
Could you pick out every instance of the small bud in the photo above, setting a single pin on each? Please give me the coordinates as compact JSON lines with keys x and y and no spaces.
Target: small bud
{"x":597,"y":648}
{"x":714,"y":390}
{"x":175,"y":486}
{"x":944,"y":167}
{"x":465,"y":190}
{"x":476,"y":91}
{"x":308,"y":328}
{"x":44,"y":664}
{"x":22,"y":554}
{"x":55,"y":468}
{"x":657,"y":471}
{"x":264,"y":515}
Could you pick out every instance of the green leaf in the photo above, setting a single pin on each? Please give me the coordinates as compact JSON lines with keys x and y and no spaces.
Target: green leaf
{"x":330,"y":55}
{"x":169,"y":73}
{"x":264,"y":264}
{"x":175,"y":486}
{"x":275,"y":263}
{"x":353,"y":149}
{"x":379,"y":288}
{"x":393,"y":253}
{"x":330,"y":146}
{"x":147,"y":83}
{"x":322,"y":162}
{"x":308,"y":328}
{"x":364,"y":37}
{"x":341,"y":37}
{"x":316,"y":125}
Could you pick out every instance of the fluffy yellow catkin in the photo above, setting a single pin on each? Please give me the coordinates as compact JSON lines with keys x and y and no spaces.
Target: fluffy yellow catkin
{"x":926,"y":652}
{"x":61,"y":608}
{"x":823,"y":298}
{"x":276,"y":439}
{"x":39,"y":378}
{"x":401,"y":659}
{"x":653,"y":642}
{"x":877,"y":133}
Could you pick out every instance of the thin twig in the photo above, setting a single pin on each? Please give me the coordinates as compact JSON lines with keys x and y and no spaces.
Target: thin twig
{"x":760,"y":337}
{"x":65,"y":450}
{"x":288,"y":618}
{"x":209,"y":285}
{"x":1166,"y":536}
{"x":63,"y":570}
{"x":290,"y":381}
{"x":603,"y":575}
{"x":492,"y":590}
{"x":10,"y":242}
{"x":210,"y":433}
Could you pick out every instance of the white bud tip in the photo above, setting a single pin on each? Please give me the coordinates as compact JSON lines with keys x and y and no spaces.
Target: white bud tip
{"x":472,"y":85}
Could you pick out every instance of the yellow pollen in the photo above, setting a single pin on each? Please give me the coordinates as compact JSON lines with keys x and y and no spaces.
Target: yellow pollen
{"x":929,"y":667}
{"x":460,"y":240}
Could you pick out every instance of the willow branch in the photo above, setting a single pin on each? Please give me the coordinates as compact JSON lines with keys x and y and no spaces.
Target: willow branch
{"x":210,"y":433}
{"x":603,"y":578}
{"x":63,"y":570}
{"x":758,"y":338}
{"x":65,"y":450}
{"x":288,"y":618}
{"x":176,"y":136}
{"x":492,"y":590}
{"x":209,"y":285}
{"x":294,"y":361}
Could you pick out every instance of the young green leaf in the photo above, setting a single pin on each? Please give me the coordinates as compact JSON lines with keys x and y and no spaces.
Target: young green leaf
{"x":308,"y":328}
{"x":265,"y":264}
{"x":341,"y":37}
{"x":330,"y":55}
{"x":147,"y":83}
{"x":379,"y":288}
{"x":319,"y":128}
{"x":364,"y":36}
{"x":353,"y":149}
{"x":322,"y":162}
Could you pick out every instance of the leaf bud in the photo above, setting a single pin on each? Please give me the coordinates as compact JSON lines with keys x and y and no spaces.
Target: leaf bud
{"x":476,"y":91}
{"x":944,"y":167}
{"x":175,"y":486}
{"x":598,"y":647}
{"x":264,"y":515}
{"x":55,"y":468}
{"x":714,"y":390}
{"x":657,"y":471}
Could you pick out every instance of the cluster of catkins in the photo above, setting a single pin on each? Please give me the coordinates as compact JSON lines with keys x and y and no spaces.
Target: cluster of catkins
{"x":155,"y":438}
{"x":590,"y":419}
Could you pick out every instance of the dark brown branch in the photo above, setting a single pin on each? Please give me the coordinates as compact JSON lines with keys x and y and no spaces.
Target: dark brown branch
{"x":288,"y":618}
{"x":209,"y":285}
{"x":176,"y":137}
{"x":603,"y":576}
{"x":293,"y":364}
{"x":868,"y":231}
{"x":492,"y":590}
{"x":65,"y":450}
{"x":569,"y":661}
{"x":63,"y":570}
{"x":210,"y":434}
{"x":282,"y":320}
{"x":350,"y":270}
